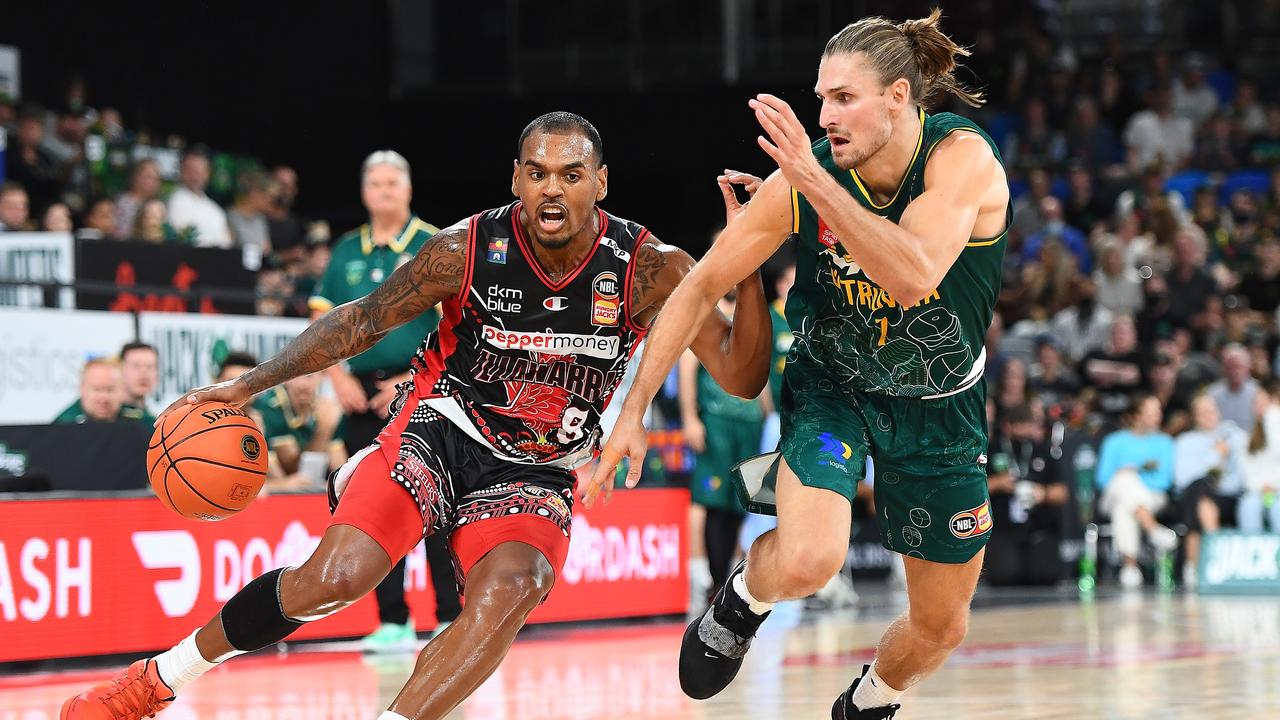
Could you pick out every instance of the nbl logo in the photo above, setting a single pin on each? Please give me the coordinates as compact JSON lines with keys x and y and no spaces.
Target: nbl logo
{"x":250,"y":447}
{"x":971,"y":523}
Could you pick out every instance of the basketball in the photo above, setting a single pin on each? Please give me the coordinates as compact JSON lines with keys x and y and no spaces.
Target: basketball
{"x":207,"y":461}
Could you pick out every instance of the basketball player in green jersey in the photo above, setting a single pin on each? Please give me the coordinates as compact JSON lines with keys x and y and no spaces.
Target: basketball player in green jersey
{"x":901,"y":217}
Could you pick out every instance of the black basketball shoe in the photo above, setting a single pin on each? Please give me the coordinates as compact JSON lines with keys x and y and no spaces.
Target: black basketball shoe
{"x":844,"y":709}
{"x":715,"y":643}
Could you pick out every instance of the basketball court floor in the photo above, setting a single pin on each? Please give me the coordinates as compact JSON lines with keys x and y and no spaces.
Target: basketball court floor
{"x":1028,"y":655}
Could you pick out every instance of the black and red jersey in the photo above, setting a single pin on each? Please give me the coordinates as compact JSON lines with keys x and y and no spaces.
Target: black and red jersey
{"x":526,"y":364}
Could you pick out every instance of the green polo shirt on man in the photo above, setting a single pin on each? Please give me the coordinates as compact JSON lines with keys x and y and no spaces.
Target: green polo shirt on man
{"x":355,"y":269}
{"x":281,"y":425}
{"x":75,"y":414}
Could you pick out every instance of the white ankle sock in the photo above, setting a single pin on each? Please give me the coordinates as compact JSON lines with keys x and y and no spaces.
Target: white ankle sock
{"x":740,"y":587}
{"x":388,"y":715}
{"x":183,"y":663}
{"x":873,"y":691}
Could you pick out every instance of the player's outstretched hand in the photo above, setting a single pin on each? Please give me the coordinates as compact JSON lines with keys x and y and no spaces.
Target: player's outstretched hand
{"x":232,"y":392}
{"x":749,"y":182}
{"x":628,"y":440}
{"x":790,"y":148}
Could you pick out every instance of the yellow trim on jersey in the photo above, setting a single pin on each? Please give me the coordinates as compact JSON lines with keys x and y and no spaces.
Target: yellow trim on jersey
{"x":319,"y":304}
{"x":795,"y":211}
{"x":411,"y":228}
{"x":902,"y":183}
{"x":988,"y":242}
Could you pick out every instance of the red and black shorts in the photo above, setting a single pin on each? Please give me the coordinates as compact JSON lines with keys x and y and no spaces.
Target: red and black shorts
{"x":425,"y":475}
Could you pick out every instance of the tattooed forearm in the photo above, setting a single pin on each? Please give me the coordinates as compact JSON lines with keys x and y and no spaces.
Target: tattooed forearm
{"x":432,"y":276}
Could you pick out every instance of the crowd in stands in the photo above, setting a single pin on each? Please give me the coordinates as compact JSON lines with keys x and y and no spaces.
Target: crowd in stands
{"x":1140,"y":310}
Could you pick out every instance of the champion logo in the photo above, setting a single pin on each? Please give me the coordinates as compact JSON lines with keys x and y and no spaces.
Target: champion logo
{"x":555,"y":303}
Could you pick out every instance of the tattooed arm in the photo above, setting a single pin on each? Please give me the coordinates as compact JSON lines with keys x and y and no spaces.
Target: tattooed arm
{"x":434,"y":274}
{"x":736,"y":352}
{"x":749,"y":239}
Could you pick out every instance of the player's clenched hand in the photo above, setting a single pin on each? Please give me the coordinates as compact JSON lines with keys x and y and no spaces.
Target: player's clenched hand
{"x":232,"y":392}
{"x":628,"y":440}
{"x":791,"y":147}
{"x":749,"y":182}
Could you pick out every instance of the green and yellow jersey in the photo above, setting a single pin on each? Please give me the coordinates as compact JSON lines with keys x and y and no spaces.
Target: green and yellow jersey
{"x":852,"y":329}
{"x":356,"y":268}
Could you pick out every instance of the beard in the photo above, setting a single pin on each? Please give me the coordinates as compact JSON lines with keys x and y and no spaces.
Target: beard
{"x":854,"y":153}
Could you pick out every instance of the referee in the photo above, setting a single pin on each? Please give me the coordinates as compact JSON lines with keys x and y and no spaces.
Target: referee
{"x":361,"y":260}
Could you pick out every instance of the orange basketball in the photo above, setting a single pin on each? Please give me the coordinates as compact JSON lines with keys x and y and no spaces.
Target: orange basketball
{"x":207,"y":461}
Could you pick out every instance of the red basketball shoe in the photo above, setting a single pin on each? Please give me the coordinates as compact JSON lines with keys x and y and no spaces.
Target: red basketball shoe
{"x":134,"y":694}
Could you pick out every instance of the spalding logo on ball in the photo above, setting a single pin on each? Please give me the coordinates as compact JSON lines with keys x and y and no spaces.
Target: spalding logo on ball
{"x":205,"y":461}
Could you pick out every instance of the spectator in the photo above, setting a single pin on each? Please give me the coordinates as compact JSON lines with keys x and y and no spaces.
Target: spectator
{"x":1056,"y":227}
{"x":1036,"y":144}
{"x":287,"y":233}
{"x":66,"y":145}
{"x":15,"y":208}
{"x":1246,"y":111}
{"x":1236,"y":393}
{"x":1193,"y":99}
{"x":57,"y":218}
{"x":1012,"y":388}
{"x":1084,"y":326}
{"x":1218,"y":227}
{"x":1050,"y":378}
{"x":101,"y":396}
{"x":1152,"y":202}
{"x":297,"y":422}
{"x":30,"y":165}
{"x":1117,"y":286}
{"x":144,"y":185}
{"x":1048,"y":285}
{"x":1157,"y":135}
{"x":1174,"y":384}
{"x":1208,"y":475}
{"x":1260,"y":477}
{"x":1135,"y":473}
{"x":234,"y":365}
{"x":1218,"y":148}
{"x":152,"y":224}
{"x":1117,"y":372}
{"x":100,"y":221}
{"x":248,"y":220}
{"x":1084,"y":208}
{"x":1027,"y":220}
{"x":1193,"y":281}
{"x":1264,"y":151}
{"x":139,"y":374}
{"x":1027,"y":492}
{"x":1092,"y":142}
{"x":191,"y":212}
{"x":1261,"y":283}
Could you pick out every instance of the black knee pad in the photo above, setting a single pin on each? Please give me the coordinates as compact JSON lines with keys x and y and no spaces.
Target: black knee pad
{"x":254,"y":618}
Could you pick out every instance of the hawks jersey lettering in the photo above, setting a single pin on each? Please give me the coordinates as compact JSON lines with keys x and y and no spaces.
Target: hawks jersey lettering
{"x":529,"y":364}
{"x":845,"y":323}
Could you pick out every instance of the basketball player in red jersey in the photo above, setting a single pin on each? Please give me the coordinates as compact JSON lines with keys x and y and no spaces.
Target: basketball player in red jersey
{"x":543,"y":302}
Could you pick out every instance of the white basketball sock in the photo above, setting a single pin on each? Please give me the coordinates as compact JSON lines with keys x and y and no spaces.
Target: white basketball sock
{"x":754,"y":605}
{"x":183,"y":663}
{"x":873,"y":691}
{"x":388,"y":715}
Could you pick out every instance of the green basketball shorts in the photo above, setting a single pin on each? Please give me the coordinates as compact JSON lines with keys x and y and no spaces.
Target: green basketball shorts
{"x":930,"y":478}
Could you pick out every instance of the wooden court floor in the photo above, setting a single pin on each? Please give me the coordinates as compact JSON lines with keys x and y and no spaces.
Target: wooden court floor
{"x":1141,"y":656}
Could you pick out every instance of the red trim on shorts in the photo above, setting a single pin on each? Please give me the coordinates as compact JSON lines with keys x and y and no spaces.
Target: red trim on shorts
{"x":381,"y":509}
{"x":471,"y":542}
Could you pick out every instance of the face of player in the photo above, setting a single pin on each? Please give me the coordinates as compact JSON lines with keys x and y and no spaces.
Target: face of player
{"x":857,"y":110}
{"x":100,"y":392}
{"x":386,"y":190}
{"x":138,"y":371}
{"x":557,"y":180}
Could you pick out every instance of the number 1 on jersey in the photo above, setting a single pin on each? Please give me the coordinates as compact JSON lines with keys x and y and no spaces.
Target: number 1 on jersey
{"x":884,"y":330}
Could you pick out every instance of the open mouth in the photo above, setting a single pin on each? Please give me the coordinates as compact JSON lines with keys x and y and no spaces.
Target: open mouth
{"x":551,"y":218}
{"x":837,"y":141}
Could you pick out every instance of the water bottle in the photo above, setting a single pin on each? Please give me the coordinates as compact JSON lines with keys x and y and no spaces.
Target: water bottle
{"x":1085,"y":460}
{"x":1089,"y":560}
{"x":1164,"y":571}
